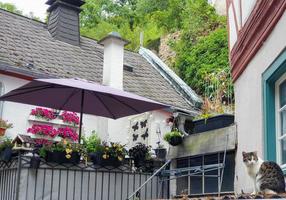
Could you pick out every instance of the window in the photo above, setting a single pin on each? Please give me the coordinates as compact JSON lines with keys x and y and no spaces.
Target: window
{"x":206,"y":182}
{"x":1,"y":102}
{"x":273,"y":79}
{"x":280,"y":101}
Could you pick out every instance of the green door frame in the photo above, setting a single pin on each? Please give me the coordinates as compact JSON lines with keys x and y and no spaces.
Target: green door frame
{"x":269,"y":77}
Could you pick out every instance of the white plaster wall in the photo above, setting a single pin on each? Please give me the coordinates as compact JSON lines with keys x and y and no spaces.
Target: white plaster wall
{"x":246,"y":7}
{"x":108,"y":129}
{"x":248,"y":97}
{"x":241,"y":17}
{"x":232,"y":29}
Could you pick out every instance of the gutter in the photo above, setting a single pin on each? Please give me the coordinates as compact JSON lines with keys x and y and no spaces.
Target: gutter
{"x":23,"y":73}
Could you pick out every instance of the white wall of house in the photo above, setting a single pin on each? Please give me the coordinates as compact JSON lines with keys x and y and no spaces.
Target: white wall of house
{"x":248,"y":97}
{"x":117,"y":131}
{"x":238,"y":13}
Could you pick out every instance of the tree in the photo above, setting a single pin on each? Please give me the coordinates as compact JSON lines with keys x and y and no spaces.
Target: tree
{"x":10,"y":7}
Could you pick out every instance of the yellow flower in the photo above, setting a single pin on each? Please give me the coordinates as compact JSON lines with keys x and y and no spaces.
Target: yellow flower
{"x":68,"y":156}
{"x":68,"y":151}
{"x":120,"y":158}
{"x":104,"y":156}
{"x":65,"y":141}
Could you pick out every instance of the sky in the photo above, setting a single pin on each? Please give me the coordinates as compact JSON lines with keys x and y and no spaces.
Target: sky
{"x":38,"y":7}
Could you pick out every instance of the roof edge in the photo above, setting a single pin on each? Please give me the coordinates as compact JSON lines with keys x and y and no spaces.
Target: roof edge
{"x":27,"y":74}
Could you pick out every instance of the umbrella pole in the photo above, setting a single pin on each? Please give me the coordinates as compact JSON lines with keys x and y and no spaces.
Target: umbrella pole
{"x":81,"y":113}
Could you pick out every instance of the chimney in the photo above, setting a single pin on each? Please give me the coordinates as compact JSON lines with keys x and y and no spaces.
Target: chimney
{"x":113,"y":60}
{"x":63,"y":22}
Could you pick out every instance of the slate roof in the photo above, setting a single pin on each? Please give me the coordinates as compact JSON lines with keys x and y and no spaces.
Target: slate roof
{"x":27,"y":45}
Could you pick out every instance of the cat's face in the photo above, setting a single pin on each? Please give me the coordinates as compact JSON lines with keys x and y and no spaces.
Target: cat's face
{"x":249,"y":158}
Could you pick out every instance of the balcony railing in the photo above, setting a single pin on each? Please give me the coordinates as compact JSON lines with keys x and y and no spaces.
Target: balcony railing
{"x":51,"y":181}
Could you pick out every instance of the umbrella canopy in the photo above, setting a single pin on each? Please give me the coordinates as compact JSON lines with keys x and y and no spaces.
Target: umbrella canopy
{"x":81,"y":96}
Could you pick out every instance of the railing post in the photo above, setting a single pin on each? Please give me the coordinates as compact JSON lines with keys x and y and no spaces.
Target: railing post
{"x":18,"y":175}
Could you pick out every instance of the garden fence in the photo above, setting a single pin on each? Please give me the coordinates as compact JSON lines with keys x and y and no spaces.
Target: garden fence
{"x":51,"y":181}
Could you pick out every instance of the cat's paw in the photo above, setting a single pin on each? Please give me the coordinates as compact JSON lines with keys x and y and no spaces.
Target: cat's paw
{"x":253,"y":193}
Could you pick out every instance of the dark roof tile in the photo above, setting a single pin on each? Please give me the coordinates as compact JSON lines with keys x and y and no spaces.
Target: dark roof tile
{"x":24,"y":42}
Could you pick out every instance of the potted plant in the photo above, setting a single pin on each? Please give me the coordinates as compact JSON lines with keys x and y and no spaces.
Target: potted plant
{"x":139,"y":154}
{"x":92,"y":146}
{"x":4,"y":125}
{"x":161,"y":152}
{"x":61,"y":152}
{"x":6,"y":149}
{"x":111,"y":154}
{"x":174,"y":137}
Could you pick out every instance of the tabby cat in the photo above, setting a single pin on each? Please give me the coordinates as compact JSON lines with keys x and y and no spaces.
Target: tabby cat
{"x":267,"y":175}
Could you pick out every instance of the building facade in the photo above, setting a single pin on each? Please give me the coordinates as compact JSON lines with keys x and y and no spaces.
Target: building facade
{"x":257,"y":55}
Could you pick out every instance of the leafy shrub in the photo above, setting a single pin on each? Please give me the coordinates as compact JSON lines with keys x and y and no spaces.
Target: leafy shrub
{"x":92,"y":143}
{"x":174,"y":133}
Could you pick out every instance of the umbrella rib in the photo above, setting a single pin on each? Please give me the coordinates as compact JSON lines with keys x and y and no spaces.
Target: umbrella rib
{"x":12,"y":95}
{"x":104,"y":105}
{"x":125,"y":104}
{"x":67,"y":100}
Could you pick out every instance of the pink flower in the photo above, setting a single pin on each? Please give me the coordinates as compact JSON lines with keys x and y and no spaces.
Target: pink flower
{"x":68,"y":132}
{"x":47,"y":114}
{"x":70,"y":117}
{"x":38,"y":129}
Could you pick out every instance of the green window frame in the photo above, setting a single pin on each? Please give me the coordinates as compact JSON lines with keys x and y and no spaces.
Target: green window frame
{"x":269,"y":78}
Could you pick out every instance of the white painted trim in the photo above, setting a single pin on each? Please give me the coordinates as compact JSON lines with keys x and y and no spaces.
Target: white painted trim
{"x":279,"y":136}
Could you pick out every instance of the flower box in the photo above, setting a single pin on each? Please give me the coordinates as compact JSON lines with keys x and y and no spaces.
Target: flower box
{"x":97,"y":159}
{"x":60,"y":157}
{"x":212,"y":123}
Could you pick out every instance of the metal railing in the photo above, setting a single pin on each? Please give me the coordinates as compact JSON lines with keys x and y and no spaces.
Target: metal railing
{"x":51,"y":181}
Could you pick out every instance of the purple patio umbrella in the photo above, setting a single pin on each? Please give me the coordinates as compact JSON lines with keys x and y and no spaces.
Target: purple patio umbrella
{"x":83,"y":97}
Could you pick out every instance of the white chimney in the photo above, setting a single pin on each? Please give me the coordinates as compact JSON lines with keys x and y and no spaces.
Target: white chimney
{"x":113,"y":60}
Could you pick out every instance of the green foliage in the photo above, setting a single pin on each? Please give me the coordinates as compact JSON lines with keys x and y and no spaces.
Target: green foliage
{"x":174,"y":133}
{"x":10,"y":7}
{"x":6,"y":143}
{"x":208,"y":55}
{"x":92,"y":143}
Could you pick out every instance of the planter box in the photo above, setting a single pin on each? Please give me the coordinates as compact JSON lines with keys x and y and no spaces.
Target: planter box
{"x":212,"y":123}
{"x":98,"y":160}
{"x":60,"y":157}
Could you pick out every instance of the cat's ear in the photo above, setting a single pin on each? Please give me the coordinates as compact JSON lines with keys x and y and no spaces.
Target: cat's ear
{"x":255,"y":153}
{"x":243,"y":153}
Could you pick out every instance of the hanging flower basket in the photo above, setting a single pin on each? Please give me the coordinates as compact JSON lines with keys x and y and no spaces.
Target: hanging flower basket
{"x":174,"y":137}
{"x":176,"y":140}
